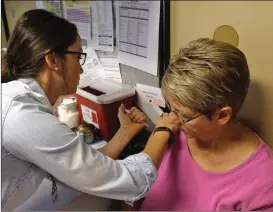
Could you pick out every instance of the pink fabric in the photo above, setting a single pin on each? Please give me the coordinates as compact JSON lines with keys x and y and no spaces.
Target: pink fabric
{"x":183,"y":185}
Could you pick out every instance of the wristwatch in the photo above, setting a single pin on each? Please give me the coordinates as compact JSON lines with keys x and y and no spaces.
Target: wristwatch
{"x":171,"y":138}
{"x":164,"y":129}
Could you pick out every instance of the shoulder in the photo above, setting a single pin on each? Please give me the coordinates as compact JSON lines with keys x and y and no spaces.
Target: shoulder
{"x":176,"y":149}
{"x":261,"y":164}
{"x":265,"y":157}
{"x":24,"y":112}
{"x":261,"y":159}
{"x":14,"y":88}
{"x":19,"y":97}
{"x":259,"y":179}
{"x":180,"y":139}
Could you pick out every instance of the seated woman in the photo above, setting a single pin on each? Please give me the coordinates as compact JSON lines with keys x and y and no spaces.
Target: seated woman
{"x":216,"y":162}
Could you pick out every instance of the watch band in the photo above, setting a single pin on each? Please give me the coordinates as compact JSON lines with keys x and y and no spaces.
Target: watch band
{"x":164,"y":129}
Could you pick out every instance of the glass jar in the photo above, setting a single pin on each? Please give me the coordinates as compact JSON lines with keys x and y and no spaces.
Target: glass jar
{"x":68,"y":112}
{"x":86,"y":133}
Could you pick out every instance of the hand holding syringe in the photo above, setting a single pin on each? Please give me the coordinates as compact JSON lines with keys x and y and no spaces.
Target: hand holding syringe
{"x":144,"y":123}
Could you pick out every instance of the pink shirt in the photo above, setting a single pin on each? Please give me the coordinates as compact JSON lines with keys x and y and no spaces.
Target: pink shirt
{"x":183,"y":185}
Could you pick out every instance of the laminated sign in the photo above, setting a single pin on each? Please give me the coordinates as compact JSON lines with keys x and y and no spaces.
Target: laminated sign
{"x":152,"y":94}
{"x":90,"y":116}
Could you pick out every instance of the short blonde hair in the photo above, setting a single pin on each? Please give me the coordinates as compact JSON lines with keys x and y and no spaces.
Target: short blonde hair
{"x":207,"y":75}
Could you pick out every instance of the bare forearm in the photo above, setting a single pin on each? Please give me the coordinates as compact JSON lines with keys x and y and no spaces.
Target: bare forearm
{"x":117,"y":144}
{"x":156,"y":145}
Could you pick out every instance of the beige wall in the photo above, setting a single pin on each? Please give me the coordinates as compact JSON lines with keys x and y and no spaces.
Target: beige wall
{"x":14,"y":9}
{"x":253,"y":20}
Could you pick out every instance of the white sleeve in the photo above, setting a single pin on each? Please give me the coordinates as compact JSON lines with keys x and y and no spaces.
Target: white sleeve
{"x":34,"y":135}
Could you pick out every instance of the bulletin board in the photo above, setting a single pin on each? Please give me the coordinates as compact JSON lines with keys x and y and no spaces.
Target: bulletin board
{"x":12,"y":10}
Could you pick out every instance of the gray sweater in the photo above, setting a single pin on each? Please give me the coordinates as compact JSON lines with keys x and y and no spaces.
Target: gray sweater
{"x":35,"y":142}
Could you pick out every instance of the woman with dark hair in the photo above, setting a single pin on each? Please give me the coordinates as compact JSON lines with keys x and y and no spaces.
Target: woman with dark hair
{"x":43,"y":62}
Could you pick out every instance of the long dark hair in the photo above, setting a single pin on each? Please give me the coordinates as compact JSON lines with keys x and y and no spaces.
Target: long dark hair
{"x":35,"y":33}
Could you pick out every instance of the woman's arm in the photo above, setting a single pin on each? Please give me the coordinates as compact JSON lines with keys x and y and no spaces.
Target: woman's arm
{"x":130,"y":126}
{"x":158,"y":141}
{"x":117,"y":144}
{"x":41,"y":139}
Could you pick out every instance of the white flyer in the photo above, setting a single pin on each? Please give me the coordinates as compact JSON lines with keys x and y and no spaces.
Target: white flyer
{"x":92,"y":69}
{"x":79,"y":13}
{"x":110,"y":64}
{"x":102,"y":36}
{"x":152,"y":94}
{"x":138,"y":34}
{"x":52,"y":6}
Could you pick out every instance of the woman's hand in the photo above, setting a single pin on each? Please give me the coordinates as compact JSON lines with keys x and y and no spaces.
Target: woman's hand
{"x":169,"y":120}
{"x":157,"y":142}
{"x":130,"y":125}
{"x":134,"y":119}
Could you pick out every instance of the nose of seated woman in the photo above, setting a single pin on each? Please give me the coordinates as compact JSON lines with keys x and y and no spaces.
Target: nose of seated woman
{"x":205,"y":126}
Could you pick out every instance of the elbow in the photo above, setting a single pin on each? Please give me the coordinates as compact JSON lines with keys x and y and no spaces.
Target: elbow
{"x":143,"y":189}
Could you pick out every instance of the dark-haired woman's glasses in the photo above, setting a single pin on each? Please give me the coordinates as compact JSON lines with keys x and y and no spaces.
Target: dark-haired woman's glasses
{"x":182,"y":119}
{"x":81,"y":56}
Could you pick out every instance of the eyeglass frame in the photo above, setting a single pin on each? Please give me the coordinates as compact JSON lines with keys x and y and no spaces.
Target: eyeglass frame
{"x":78,"y":53}
{"x":70,"y":52}
{"x":180,"y":118}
